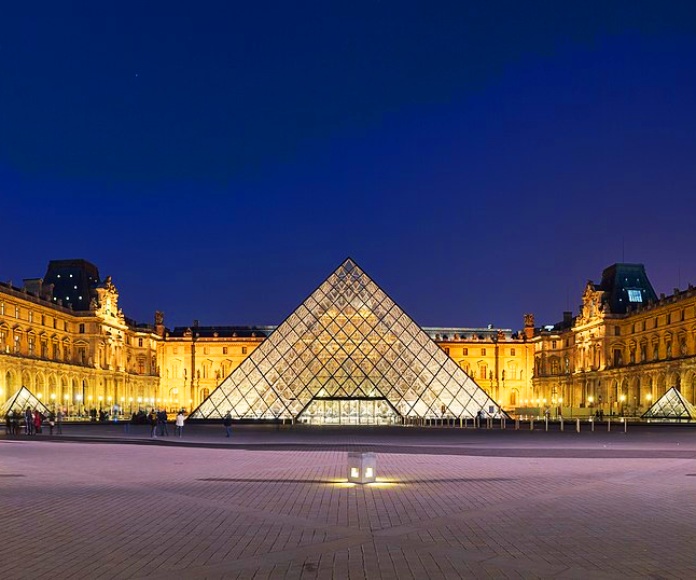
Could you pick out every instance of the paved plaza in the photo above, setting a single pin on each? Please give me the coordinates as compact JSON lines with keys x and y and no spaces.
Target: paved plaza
{"x":97,"y":502}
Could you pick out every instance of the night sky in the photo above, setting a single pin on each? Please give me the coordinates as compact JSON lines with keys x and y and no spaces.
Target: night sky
{"x":479,"y":160}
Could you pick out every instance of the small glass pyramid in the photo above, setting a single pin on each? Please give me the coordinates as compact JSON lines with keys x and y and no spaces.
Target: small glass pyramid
{"x":671,"y":405}
{"x":22,"y":399}
{"x":350,"y":355}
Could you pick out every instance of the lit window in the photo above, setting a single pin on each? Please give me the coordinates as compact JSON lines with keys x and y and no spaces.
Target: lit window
{"x":512,"y":352}
{"x":483,"y":352}
{"x":635,"y":296}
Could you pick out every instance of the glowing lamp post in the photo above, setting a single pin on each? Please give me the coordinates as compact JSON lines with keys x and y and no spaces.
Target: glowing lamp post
{"x":362,"y":467}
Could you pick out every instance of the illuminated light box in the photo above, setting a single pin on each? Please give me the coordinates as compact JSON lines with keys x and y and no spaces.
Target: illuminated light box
{"x":362,"y":467}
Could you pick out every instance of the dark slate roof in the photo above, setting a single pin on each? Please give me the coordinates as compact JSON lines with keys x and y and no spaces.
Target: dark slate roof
{"x":223,"y":331}
{"x":73,"y":282}
{"x":627,"y":285}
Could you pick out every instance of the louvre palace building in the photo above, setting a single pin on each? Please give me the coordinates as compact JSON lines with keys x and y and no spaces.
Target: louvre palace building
{"x":348,"y":354}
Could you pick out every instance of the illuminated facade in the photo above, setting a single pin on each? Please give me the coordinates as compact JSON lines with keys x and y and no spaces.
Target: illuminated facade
{"x":624,"y":350}
{"x":348,"y":355}
{"x":75,"y":349}
{"x":65,"y":338}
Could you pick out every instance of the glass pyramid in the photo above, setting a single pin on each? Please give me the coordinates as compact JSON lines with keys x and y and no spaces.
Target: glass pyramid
{"x":348,"y":354}
{"x":22,"y":399}
{"x":671,"y":405}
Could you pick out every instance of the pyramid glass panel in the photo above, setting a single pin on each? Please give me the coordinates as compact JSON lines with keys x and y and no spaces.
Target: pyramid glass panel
{"x":347,"y":355}
{"x":21,"y":400}
{"x":671,"y":405}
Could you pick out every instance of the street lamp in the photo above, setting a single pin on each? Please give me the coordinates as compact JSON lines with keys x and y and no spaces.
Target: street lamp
{"x":622,"y":398}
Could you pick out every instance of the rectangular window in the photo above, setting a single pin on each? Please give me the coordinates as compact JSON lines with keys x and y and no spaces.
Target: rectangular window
{"x":224,"y":350}
{"x":635,"y":296}
{"x":16,"y":311}
{"x":553,"y":344}
{"x":465,"y":352}
{"x":483,"y":352}
{"x":446,"y":350}
{"x":43,"y":319}
{"x":512,"y":352}
{"x":244,"y":350}
{"x":31,"y":316}
{"x":140,"y":342}
{"x":82,"y":328}
{"x":617,"y":331}
{"x":669,"y":318}
{"x":2,"y":309}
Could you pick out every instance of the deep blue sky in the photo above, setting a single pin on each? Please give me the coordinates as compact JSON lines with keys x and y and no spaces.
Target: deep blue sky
{"x":219,"y":160}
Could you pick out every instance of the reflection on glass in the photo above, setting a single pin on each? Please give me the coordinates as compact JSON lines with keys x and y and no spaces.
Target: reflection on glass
{"x":348,"y":355}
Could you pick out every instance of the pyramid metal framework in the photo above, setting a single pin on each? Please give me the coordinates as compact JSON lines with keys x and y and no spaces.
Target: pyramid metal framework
{"x":671,"y":405}
{"x":22,"y":399}
{"x":347,"y":350}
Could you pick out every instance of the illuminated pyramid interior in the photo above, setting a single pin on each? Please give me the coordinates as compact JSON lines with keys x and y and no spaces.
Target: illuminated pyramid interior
{"x":347,"y":355}
{"x":671,"y":405}
{"x":22,"y":399}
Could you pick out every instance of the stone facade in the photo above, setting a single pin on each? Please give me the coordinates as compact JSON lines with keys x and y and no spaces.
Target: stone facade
{"x":97,"y":358}
{"x":617,"y":362}
{"x":81,"y":360}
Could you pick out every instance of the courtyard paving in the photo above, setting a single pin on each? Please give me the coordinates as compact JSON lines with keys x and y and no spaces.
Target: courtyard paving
{"x":97,"y":502}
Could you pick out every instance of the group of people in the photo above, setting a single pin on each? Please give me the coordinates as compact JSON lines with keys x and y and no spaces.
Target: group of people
{"x":158,"y":423}
{"x":32,"y":421}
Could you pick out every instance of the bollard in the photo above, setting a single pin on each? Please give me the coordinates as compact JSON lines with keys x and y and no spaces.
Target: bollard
{"x":547,"y":423}
{"x":490,"y":422}
{"x":517,"y":423}
{"x":608,"y":424}
{"x":502,"y":422}
{"x":577,"y":425}
{"x":625,"y":424}
{"x":592,"y":423}
{"x":561,"y":423}
{"x":531,"y":424}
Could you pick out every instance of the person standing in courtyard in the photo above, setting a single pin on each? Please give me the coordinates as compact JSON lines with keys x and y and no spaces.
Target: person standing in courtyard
{"x":162,"y":420}
{"x":59,"y":421}
{"x":153,"y":424}
{"x":180,"y":424}
{"x":38,"y":421}
{"x":227,"y":422}
{"x":28,"y":421}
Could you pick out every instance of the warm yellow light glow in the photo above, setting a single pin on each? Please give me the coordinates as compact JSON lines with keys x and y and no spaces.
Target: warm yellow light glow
{"x":560,"y":400}
{"x":622,"y":398}
{"x":130,"y":399}
{"x":39,"y":396}
{"x":590,"y":399}
{"x":100,"y":398}
{"x":66,"y":397}
{"x":140,"y":399}
{"x":369,"y":472}
{"x":53,"y":396}
{"x":89,"y":398}
{"x":649,"y":396}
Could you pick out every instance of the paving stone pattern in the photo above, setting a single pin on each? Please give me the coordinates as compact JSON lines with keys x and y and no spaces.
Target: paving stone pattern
{"x":274,"y":504}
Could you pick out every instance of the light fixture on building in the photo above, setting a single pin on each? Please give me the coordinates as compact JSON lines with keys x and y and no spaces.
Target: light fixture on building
{"x":362,"y":467}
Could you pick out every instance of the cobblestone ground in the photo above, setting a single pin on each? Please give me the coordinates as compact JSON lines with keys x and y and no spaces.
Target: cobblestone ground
{"x":274,"y":504}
